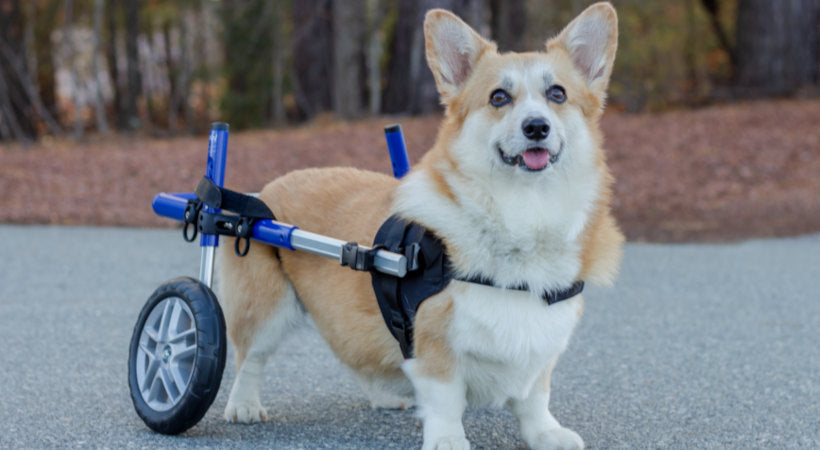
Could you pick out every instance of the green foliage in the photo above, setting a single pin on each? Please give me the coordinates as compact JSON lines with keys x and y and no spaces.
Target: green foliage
{"x":667,"y":52}
{"x":664,"y":56}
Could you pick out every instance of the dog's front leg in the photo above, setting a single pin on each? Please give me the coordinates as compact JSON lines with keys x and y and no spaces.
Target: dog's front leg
{"x":441,"y":402}
{"x":540,"y":430}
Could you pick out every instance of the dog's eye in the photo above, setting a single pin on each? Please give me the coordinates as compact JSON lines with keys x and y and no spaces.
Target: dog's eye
{"x":499,"y":98}
{"x":557,"y":94}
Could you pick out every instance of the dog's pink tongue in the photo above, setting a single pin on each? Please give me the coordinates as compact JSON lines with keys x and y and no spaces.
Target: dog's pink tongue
{"x":537,"y":158}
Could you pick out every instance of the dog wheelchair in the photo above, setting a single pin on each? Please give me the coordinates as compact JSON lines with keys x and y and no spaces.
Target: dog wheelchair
{"x":178,"y":347}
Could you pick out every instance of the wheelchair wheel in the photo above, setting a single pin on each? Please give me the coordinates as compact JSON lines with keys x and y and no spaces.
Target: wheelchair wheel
{"x":177,"y":356}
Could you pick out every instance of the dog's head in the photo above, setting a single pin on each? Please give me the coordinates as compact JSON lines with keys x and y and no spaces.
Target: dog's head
{"x":522,"y":114}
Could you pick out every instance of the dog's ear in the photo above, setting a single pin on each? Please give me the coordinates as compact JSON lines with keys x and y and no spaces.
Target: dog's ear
{"x":452,"y":50}
{"x":591,"y":41}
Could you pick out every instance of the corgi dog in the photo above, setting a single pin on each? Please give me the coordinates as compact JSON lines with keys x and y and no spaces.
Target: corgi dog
{"x":516,"y":189}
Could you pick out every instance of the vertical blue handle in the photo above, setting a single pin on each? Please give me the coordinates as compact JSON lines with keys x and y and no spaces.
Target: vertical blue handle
{"x":215,"y":169}
{"x":398,"y":150}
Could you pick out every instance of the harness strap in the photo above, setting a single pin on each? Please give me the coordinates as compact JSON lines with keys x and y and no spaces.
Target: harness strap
{"x":399,"y":298}
{"x":246,"y":211}
{"x":551,"y":297}
{"x":221,"y":198}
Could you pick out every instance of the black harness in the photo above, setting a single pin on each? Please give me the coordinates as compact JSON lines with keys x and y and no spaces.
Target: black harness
{"x":399,"y":298}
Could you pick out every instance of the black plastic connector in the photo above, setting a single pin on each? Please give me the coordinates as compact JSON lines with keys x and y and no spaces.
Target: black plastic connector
{"x":357,"y":258}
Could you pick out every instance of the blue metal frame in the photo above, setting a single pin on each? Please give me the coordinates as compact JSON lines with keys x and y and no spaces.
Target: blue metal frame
{"x":271,"y":232}
{"x":398,"y":150}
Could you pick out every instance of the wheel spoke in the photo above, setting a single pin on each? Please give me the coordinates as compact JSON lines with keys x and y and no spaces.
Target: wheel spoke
{"x":170,"y":385}
{"x":181,"y":335}
{"x":150,"y":374}
{"x":174,"y":319}
{"x":165,"y":318}
{"x":151,"y":332}
{"x":148,"y":352}
{"x":180,"y":379}
{"x":182,"y":352}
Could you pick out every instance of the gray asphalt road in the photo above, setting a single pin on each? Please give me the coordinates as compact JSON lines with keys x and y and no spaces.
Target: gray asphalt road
{"x":697,"y":346}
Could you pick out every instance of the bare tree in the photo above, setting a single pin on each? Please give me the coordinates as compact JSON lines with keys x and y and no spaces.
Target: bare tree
{"x":777,"y":46}
{"x":312,"y":55}
{"x":99,"y":103}
{"x":410,"y":84}
{"x":348,"y":31}
{"x":133,"y":88}
{"x":71,"y":54}
{"x":509,"y":21}
{"x":112,"y":58}
{"x":186,"y":21}
{"x":17,"y":113}
{"x":280,"y":57}
{"x":373,"y":55}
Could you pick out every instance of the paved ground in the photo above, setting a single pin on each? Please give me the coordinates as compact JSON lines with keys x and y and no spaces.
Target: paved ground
{"x":698,"y":346}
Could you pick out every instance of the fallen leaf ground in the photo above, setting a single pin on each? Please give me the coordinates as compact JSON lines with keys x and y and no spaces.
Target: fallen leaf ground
{"x":720,"y":173}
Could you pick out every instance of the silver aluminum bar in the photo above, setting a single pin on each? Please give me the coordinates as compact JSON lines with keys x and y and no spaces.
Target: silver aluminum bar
{"x":385,"y":261}
{"x":206,"y":266}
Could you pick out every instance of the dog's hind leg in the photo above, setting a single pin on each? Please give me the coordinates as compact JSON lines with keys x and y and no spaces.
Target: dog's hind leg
{"x":261,"y":309}
{"x":385,"y":392}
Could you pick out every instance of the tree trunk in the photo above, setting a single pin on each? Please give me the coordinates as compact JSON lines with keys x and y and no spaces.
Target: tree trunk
{"x":99,"y":103}
{"x":373,"y":55}
{"x":76,"y":87}
{"x":312,"y":55}
{"x":399,"y":88}
{"x":186,"y":44}
{"x":17,"y":113}
{"x":249,"y":72}
{"x":44,"y":71}
{"x":410,"y":84}
{"x":776,"y":46}
{"x":348,"y":30}
{"x":173,"y":67}
{"x":509,"y":21}
{"x":111,"y":56}
{"x":133,"y":78}
{"x":280,"y":57}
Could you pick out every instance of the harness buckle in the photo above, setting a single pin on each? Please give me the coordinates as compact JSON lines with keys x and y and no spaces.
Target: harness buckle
{"x":191,"y":217}
{"x":357,"y":258}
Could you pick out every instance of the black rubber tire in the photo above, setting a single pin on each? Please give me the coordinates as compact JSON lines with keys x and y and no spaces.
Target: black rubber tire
{"x":209,"y":360}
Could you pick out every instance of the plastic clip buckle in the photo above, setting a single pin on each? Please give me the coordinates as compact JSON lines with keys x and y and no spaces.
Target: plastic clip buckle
{"x":357,"y":259}
{"x":244,"y":231}
{"x":191,"y":217}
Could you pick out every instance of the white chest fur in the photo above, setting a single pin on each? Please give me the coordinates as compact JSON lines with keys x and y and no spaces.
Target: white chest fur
{"x":504,"y":340}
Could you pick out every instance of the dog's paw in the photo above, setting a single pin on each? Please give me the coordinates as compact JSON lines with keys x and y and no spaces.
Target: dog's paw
{"x":251,"y":412}
{"x":557,"y":438}
{"x":448,"y":443}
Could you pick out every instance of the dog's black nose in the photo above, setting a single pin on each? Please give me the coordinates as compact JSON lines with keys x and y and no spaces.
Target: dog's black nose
{"x":535,"y":129}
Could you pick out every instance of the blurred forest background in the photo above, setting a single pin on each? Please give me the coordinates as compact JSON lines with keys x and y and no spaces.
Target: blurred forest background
{"x":72,"y":67}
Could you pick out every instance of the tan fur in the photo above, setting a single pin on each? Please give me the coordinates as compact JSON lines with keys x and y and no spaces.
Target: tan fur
{"x":432,"y":322}
{"x":353,"y":204}
{"x":257,"y":285}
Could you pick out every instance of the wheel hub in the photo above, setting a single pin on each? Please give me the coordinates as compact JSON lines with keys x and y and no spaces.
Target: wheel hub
{"x":166,"y":354}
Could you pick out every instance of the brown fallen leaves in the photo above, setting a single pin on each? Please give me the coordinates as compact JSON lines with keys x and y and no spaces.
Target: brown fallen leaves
{"x":720,"y":173}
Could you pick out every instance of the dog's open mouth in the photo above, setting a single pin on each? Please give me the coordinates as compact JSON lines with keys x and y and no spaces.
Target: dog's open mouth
{"x":533,"y":159}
